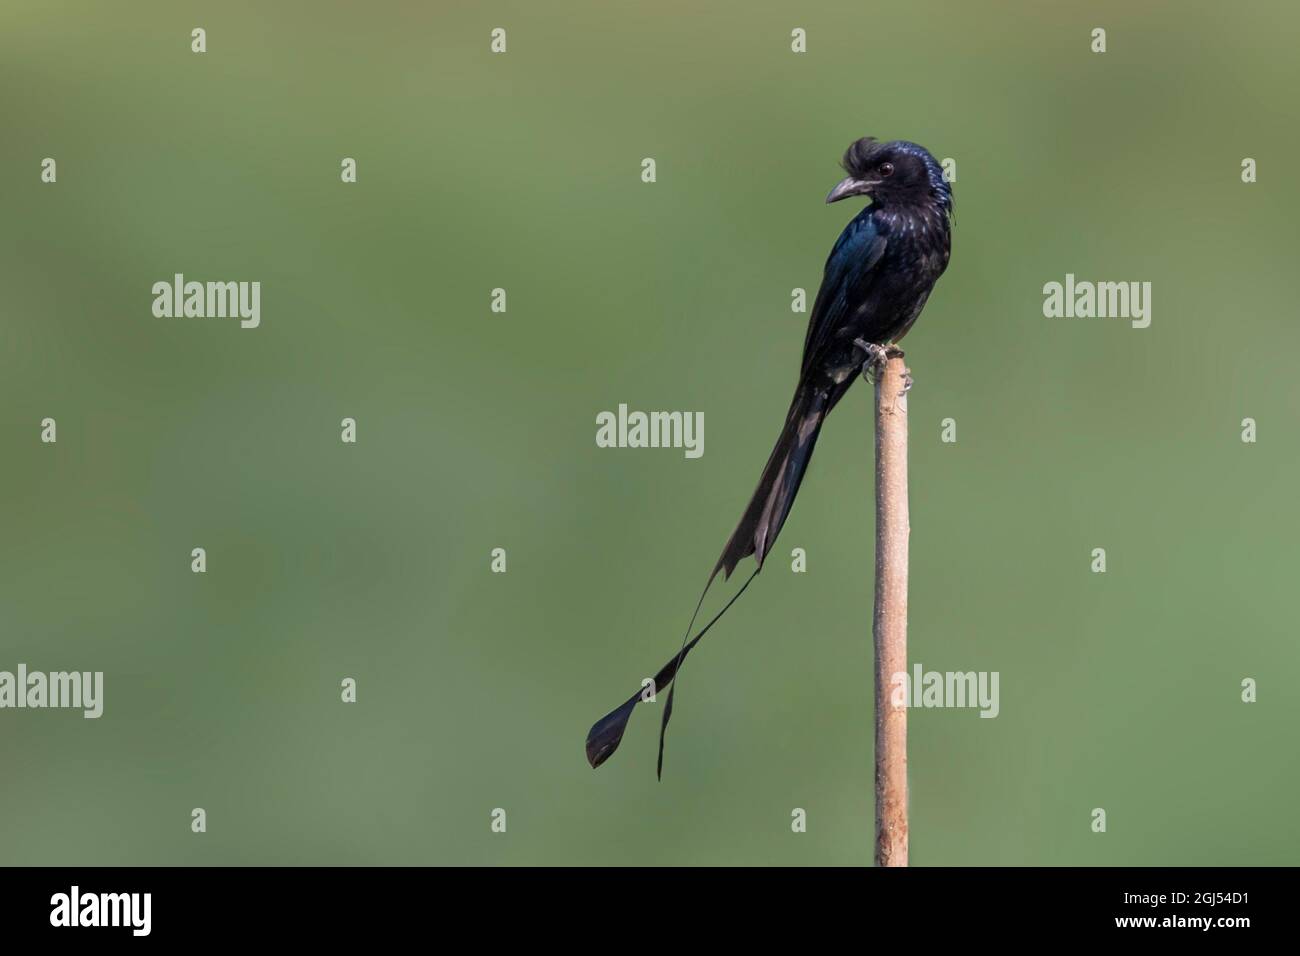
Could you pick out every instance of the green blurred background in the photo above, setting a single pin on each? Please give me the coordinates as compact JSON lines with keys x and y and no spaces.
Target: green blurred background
{"x":476,"y":430}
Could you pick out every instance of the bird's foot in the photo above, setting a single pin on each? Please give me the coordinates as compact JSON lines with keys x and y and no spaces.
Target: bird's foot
{"x":877,"y":356}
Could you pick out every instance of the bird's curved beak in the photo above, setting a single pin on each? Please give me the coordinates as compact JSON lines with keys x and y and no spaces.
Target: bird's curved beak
{"x":848,"y":187}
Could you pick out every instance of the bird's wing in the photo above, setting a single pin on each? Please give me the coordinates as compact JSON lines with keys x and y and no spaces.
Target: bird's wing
{"x":850,"y":268}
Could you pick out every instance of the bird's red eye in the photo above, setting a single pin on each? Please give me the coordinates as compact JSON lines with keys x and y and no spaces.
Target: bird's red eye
{"x":886,"y":169}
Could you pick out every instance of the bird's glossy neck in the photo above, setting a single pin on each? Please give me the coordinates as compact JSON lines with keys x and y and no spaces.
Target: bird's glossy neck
{"x":930,"y":213}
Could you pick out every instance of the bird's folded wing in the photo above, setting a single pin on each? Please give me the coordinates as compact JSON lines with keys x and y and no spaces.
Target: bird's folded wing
{"x":850,"y":268}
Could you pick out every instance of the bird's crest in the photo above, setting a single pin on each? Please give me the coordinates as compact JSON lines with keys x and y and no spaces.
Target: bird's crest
{"x":857,"y":158}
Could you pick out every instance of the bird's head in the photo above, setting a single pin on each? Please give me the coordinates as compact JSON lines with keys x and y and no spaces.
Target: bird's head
{"x":896,"y":173}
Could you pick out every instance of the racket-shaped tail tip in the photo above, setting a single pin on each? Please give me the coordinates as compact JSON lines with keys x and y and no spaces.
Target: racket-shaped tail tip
{"x":607,"y":733}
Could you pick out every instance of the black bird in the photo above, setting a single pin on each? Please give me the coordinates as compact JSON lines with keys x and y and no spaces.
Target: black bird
{"x":877,"y":278}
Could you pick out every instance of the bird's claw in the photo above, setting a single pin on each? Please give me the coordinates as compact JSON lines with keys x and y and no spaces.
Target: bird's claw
{"x":877,"y":356}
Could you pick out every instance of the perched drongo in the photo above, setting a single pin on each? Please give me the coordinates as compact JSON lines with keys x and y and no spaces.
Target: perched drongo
{"x":877,"y":278}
